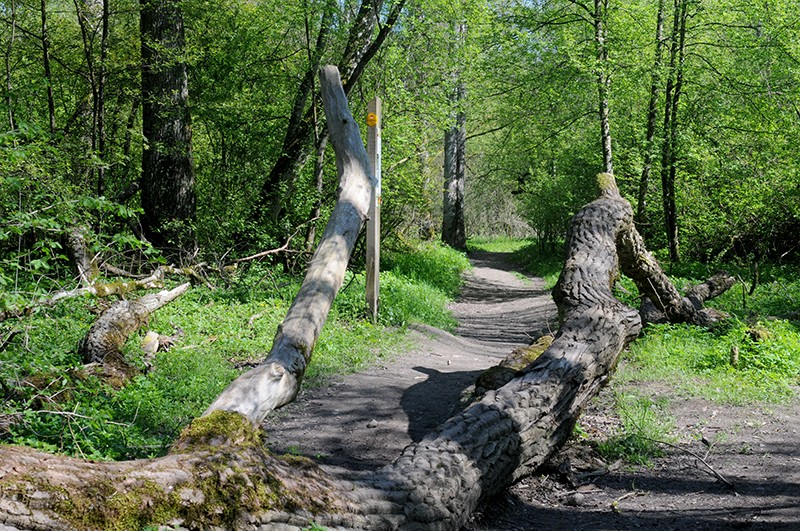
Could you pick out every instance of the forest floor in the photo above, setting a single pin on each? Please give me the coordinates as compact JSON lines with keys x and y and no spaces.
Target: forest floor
{"x":364,"y":420}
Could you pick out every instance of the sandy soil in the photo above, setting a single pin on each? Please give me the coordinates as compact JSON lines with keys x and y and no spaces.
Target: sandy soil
{"x":364,"y":420}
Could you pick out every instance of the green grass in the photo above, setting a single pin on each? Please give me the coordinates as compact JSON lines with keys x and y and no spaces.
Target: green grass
{"x":497,"y":245}
{"x":763,"y":329}
{"x":527,"y":254}
{"x":645,"y":424}
{"x":58,"y":407}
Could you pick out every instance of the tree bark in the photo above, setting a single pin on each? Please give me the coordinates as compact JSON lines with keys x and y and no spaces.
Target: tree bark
{"x":652,"y":112}
{"x":277,"y":380}
{"x":603,"y":82}
{"x":455,"y":164}
{"x":9,"y":49}
{"x":696,"y":296}
{"x":78,"y":252}
{"x":51,"y":107}
{"x":167,"y":181}
{"x":669,"y":156}
{"x":112,"y":329}
{"x":453,"y":229}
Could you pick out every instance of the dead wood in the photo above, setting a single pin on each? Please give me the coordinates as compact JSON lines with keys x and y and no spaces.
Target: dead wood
{"x":106,"y":289}
{"x":112,"y":329}
{"x":276,"y":381}
{"x":696,"y":296}
{"x":85,"y":264}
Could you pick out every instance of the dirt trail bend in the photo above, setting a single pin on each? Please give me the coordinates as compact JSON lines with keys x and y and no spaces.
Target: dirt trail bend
{"x":365,"y":419}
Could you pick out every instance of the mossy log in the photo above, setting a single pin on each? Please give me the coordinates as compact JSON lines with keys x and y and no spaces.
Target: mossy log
{"x":220,"y":476}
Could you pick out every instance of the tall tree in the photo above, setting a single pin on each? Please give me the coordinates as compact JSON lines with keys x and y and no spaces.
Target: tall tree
{"x":669,"y":156}
{"x":603,"y":81}
{"x":51,"y":107}
{"x":455,"y":162}
{"x":361,"y":46}
{"x":167,"y":181}
{"x":8,"y":59}
{"x":652,"y":113}
{"x":453,"y":228}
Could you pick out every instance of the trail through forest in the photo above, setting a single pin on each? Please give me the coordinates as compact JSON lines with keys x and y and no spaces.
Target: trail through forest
{"x":364,"y":420}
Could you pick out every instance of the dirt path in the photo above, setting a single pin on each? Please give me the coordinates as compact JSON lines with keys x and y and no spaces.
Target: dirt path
{"x":365,"y":420}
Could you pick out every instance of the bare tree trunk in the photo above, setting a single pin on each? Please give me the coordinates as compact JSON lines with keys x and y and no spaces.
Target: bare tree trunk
{"x":277,"y":380}
{"x":450,"y":193}
{"x":10,"y":48}
{"x":603,"y":81}
{"x":167,"y":181}
{"x":453,"y":230}
{"x":669,"y":156}
{"x":696,"y":296}
{"x":101,"y":100}
{"x":455,"y":163}
{"x":51,"y":107}
{"x":652,"y":111}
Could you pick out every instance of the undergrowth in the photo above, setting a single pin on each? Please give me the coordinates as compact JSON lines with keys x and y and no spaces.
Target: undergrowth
{"x":753,"y":356}
{"x":51,"y":402}
{"x":645,"y":423}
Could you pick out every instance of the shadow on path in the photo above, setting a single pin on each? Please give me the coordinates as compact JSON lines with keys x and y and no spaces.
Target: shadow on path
{"x":364,"y":420}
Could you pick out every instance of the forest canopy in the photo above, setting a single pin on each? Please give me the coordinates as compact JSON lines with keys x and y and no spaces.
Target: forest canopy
{"x":721,"y":78}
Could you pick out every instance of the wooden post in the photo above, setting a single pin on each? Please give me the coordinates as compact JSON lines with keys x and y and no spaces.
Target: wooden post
{"x":374,"y":215}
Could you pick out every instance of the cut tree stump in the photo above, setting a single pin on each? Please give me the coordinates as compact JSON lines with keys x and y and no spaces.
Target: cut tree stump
{"x":219,"y":475}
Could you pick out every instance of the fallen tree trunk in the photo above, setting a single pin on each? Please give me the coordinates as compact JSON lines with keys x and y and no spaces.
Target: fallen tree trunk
{"x":104,"y":289}
{"x":697,"y":295}
{"x":220,"y":475}
{"x":276,"y":381}
{"x":112,"y":329}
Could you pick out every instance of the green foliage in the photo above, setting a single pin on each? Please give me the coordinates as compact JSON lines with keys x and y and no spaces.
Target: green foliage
{"x":430,"y":263}
{"x":762,"y":335}
{"x":497,"y":244}
{"x":39,"y":207}
{"x":406,"y":301}
{"x":645,"y":424}
{"x":54,"y":403}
